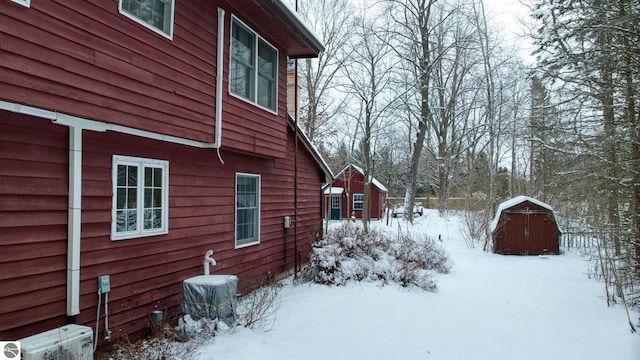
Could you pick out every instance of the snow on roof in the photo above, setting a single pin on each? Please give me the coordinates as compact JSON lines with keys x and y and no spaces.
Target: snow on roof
{"x":302,"y":26}
{"x":374,"y":181}
{"x":330,"y":190}
{"x":513,"y":202}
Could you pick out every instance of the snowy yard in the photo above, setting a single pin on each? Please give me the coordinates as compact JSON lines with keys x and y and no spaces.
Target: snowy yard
{"x":488,"y":307}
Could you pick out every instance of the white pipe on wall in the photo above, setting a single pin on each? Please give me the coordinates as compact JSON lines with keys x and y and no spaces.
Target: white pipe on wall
{"x":219,"y":75}
{"x":74,"y":220}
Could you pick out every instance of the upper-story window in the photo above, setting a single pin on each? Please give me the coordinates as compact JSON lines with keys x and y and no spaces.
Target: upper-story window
{"x":157,"y":15}
{"x":254,"y":67}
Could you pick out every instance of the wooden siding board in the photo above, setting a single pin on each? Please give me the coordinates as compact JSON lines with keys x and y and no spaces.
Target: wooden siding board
{"x":30,"y":235}
{"x":39,"y":318}
{"x":10,"y":269}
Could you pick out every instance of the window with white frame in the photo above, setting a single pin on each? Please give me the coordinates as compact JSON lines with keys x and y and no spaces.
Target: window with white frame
{"x":358,"y":201}
{"x":254,"y":67}
{"x":26,"y":3}
{"x":140,"y":197}
{"x":335,"y":202}
{"x":156,"y":15}
{"x":247,"y":209}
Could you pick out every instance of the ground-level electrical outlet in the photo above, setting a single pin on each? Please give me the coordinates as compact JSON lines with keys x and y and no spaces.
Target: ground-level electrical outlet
{"x":104,"y":284}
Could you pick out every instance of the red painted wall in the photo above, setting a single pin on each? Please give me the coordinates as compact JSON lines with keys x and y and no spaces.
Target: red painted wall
{"x":353,"y":183}
{"x":85,"y":59}
{"x":146,"y":273}
{"x":526,"y":229}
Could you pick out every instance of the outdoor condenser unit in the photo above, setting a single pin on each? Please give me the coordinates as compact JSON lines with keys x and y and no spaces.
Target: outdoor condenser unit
{"x":70,"y":342}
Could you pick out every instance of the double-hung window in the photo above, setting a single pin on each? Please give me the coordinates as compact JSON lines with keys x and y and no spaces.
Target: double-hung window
{"x":156,"y":15}
{"x":140,"y":197}
{"x":247,"y":209}
{"x":254,"y":67}
{"x":358,"y":201}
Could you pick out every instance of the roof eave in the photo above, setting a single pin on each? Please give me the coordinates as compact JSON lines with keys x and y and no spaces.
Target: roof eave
{"x":305,"y":34}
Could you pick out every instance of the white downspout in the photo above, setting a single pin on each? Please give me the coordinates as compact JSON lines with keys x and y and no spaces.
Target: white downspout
{"x":219,"y":75}
{"x":75,"y":219}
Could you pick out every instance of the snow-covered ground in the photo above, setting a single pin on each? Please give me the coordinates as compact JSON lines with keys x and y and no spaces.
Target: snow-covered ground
{"x":488,"y":307}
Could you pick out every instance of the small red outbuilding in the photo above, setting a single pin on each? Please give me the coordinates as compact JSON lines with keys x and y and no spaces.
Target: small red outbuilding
{"x":345,"y":196}
{"x":525,"y":226}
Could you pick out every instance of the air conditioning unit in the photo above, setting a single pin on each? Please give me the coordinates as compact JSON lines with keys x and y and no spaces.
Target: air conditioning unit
{"x":70,"y":342}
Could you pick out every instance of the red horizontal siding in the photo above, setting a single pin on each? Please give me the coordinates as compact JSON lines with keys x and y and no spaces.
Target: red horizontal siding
{"x":146,"y":273}
{"x":85,"y":59}
{"x":33,"y":224}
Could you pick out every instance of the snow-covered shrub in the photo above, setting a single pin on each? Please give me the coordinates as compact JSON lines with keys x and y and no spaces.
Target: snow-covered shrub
{"x":347,"y":253}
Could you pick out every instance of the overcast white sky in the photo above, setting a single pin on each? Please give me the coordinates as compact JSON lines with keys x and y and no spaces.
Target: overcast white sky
{"x":510,"y":17}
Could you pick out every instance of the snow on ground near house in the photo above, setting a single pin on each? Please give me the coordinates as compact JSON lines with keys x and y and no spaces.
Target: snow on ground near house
{"x":489,"y":307}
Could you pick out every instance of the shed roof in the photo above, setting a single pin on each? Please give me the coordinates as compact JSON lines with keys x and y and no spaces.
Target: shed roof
{"x":513,"y":202}
{"x":374,"y":181}
{"x":331,"y":190}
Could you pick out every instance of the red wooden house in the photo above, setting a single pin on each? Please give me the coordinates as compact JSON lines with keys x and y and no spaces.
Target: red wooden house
{"x":345,"y":196}
{"x":135,"y":138}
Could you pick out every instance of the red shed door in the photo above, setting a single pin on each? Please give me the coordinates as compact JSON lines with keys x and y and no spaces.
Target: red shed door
{"x":528,"y":232}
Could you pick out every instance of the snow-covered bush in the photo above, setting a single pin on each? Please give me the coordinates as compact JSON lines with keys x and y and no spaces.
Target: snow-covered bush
{"x":347,"y":253}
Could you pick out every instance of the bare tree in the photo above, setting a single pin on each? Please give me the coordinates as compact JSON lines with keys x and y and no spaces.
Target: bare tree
{"x":368,"y":70}
{"x":330,"y":19}
{"x":413,"y":28}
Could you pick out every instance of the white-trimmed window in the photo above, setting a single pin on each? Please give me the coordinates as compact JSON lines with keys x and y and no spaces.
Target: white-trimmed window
{"x":336,"y":202}
{"x":247,"y":209}
{"x":156,"y":15}
{"x":358,"y":201}
{"x":253,"y":71}
{"x":140,"y":197}
{"x":25,"y":3}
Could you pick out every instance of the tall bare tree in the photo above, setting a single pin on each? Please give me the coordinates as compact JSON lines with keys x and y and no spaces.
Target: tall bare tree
{"x":330,"y":19}
{"x":413,"y":30}
{"x":369,"y":72}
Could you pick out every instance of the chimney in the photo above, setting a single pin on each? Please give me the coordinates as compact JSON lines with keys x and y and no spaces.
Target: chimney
{"x":292,"y":91}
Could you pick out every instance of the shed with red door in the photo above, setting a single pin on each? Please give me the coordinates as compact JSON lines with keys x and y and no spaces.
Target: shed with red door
{"x":525,"y":226}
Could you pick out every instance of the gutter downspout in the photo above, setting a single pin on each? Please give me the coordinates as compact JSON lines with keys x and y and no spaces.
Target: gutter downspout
{"x":219,"y":74}
{"x":295,"y":166}
{"x":74,"y":220}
